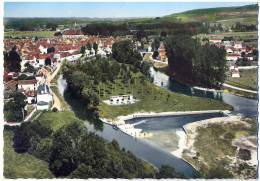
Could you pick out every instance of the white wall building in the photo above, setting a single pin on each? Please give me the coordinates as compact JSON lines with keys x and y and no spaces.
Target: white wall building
{"x":27,"y":85}
{"x":44,"y":97}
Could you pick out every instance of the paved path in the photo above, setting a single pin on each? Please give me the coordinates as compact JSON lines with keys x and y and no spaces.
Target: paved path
{"x":56,"y":100}
{"x":240,"y":89}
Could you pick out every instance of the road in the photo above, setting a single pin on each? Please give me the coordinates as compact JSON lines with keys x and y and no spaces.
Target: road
{"x":238,"y":88}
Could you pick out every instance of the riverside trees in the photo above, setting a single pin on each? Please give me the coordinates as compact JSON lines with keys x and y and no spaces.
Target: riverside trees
{"x":203,"y":65}
{"x":74,"y":152}
{"x":14,"y":109}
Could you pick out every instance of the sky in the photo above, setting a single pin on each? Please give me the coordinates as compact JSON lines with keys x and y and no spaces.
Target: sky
{"x":107,"y":9}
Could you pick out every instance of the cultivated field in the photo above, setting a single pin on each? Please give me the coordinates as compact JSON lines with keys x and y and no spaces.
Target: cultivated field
{"x":43,"y":34}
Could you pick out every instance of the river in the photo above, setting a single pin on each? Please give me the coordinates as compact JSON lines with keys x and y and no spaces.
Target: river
{"x":153,"y":149}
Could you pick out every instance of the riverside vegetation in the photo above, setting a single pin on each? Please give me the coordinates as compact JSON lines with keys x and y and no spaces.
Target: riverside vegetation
{"x":62,"y":146}
{"x":94,"y":81}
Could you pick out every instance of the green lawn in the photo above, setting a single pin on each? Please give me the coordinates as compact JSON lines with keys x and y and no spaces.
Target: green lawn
{"x":153,"y":99}
{"x":22,"y":165}
{"x":247,"y":79}
{"x":57,"y":120}
{"x":43,"y":34}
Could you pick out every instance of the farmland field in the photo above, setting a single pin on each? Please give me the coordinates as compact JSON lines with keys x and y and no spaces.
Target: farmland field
{"x":44,"y":34}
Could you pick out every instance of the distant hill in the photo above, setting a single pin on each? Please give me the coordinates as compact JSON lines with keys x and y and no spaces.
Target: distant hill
{"x":248,"y":12}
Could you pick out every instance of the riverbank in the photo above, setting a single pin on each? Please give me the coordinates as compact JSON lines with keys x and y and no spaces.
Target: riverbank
{"x":210,"y":146}
{"x":236,"y":92}
{"x":130,"y":130}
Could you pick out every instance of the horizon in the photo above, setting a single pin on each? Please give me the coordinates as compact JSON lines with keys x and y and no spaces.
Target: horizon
{"x":95,"y":10}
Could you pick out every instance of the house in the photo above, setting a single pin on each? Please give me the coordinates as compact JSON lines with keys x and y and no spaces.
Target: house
{"x":42,"y":49}
{"x":27,"y":85}
{"x":31,"y":97}
{"x":162,"y":53}
{"x":238,"y":45}
{"x":229,"y":50}
{"x":228,"y":43}
{"x":250,"y":57}
{"x":10,"y":87}
{"x":72,"y":33}
{"x":12,"y":75}
{"x":235,"y":73}
{"x":121,"y":99}
{"x":233,"y":56}
{"x":44,"y":97}
{"x":215,"y":40}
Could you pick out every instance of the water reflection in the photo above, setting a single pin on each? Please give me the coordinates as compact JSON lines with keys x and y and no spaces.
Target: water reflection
{"x":243,"y":106}
{"x":140,"y":148}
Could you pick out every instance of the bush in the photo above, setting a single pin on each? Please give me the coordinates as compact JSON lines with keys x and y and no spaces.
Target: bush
{"x":54,"y":109}
{"x":244,"y":154}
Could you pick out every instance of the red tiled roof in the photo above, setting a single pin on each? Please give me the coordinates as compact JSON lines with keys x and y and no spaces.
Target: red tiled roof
{"x":233,"y":55}
{"x":73,"y":32}
{"x":26,"y":82}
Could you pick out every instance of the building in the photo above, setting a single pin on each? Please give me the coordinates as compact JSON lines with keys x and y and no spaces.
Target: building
{"x":238,"y":45}
{"x":72,"y":33}
{"x":215,"y":40}
{"x":233,"y":56}
{"x":235,"y":73}
{"x":27,"y":85}
{"x":31,"y":97}
{"x":44,"y":97}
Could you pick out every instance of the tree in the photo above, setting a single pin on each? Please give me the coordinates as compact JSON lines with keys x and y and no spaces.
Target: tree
{"x":95,"y":47}
{"x":51,"y":50}
{"x":58,"y":33}
{"x":90,"y":98}
{"x":22,"y":77}
{"x":29,"y":68}
{"x":203,"y":65}
{"x":163,"y":34}
{"x":89,"y":47}
{"x":124,"y":52}
{"x":14,"y":109}
{"x":115,"y":69}
{"x":156,"y":44}
{"x":155,"y":54}
{"x":83,"y":50}
{"x":47,"y":61}
{"x":64,"y":158}
{"x":145,"y":68}
{"x":14,"y":60}
{"x":168,"y":172}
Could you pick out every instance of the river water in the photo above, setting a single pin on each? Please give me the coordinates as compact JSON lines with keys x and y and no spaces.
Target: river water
{"x":157,"y":149}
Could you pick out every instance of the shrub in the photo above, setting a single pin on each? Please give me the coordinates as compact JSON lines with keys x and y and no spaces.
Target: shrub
{"x":244,"y":154}
{"x":54,"y":109}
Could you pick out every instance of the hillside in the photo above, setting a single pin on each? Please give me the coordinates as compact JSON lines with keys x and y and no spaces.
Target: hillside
{"x":242,"y":13}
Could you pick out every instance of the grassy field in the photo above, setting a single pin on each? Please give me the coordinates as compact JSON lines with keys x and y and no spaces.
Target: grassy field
{"x":22,"y":165}
{"x":215,"y":14}
{"x":43,"y":34}
{"x":213,"y":145}
{"x":247,"y":79}
{"x":236,"y":35}
{"x":246,"y":20}
{"x":56,"y":120}
{"x":154,"y":99}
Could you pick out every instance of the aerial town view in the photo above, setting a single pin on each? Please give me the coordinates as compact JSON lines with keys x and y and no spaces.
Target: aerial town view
{"x":130,"y":90}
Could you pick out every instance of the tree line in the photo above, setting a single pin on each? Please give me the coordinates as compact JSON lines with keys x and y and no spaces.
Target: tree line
{"x":191,"y":62}
{"x":74,"y":152}
{"x":105,"y":29}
